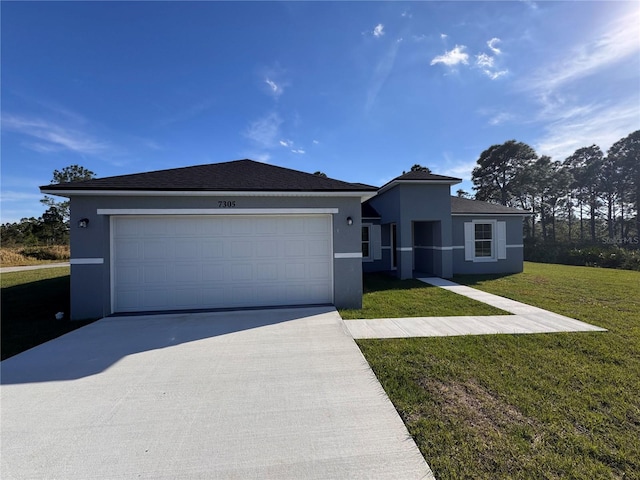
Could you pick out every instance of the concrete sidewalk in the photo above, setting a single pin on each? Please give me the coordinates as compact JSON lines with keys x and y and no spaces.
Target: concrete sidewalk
{"x":526,"y":319}
{"x":265,"y":394}
{"x":32,"y":267}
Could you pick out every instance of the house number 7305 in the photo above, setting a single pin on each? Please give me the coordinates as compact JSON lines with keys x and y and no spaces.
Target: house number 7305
{"x":226,"y":203}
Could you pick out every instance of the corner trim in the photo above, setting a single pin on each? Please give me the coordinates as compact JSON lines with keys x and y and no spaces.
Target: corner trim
{"x":348,"y":255}
{"x":86,"y":261}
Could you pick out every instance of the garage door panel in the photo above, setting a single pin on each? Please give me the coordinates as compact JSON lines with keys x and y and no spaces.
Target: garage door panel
{"x":267,"y":271}
{"x":128,"y":249}
{"x":127,"y":275}
{"x":155,"y":299}
{"x":212,"y":249}
{"x":319,"y":271}
{"x":156,"y":250}
{"x":156,"y":226}
{"x":187,"y":249}
{"x":212,"y":273}
{"x":295,"y":248}
{"x":154,"y":274}
{"x":165,"y":262}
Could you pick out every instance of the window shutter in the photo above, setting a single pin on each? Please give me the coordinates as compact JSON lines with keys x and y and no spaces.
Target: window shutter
{"x":502,"y":240}
{"x":469,"y":241}
{"x":376,"y":242}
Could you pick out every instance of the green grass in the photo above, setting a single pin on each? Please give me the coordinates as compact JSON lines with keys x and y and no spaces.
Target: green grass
{"x":387,"y":297}
{"x":527,"y":406}
{"x":30,"y":300}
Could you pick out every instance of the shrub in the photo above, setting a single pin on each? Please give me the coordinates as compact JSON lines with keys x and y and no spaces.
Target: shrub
{"x":605,"y":256}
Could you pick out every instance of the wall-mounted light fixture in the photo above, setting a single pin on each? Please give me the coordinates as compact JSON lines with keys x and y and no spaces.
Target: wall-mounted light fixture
{"x":349,"y":221}
{"x":83,"y":223}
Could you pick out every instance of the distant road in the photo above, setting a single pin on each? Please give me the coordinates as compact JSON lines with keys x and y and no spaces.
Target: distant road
{"x":33,"y":267}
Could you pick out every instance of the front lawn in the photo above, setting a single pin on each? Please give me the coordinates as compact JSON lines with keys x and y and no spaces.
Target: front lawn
{"x":527,"y":406}
{"x":387,"y":297}
{"x":30,"y":300}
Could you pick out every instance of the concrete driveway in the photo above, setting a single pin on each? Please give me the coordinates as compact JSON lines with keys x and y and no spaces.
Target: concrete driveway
{"x":281,"y":393}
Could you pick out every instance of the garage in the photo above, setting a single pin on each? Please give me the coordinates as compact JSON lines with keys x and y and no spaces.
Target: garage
{"x":181,"y":262}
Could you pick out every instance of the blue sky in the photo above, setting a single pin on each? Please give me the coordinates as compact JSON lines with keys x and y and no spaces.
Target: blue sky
{"x":358,"y":90}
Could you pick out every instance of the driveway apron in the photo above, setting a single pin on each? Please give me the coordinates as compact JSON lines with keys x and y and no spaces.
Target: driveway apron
{"x":282,"y":393}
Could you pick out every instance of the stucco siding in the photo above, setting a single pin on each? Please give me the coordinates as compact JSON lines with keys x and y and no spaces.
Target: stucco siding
{"x":91,"y":282}
{"x":513,"y":263}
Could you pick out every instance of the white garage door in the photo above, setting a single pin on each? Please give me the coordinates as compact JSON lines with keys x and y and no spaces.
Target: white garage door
{"x":192,"y":262}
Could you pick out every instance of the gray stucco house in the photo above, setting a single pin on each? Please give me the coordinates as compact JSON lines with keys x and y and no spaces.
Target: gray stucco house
{"x":248,"y":234}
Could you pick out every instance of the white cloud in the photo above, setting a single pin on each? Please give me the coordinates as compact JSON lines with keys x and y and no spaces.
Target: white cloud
{"x":299,"y":151}
{"x":264,"y":131}
{"x":443,"y":36}
{"x":51,"y":136}
{"x":452,"y":57}
{"x":275,"y":89}
{"x":316,"y":142}
{"x":406,"y":14}
{"x":492,"y":45}
{"x":378,"y":31}
{"x":617,"y":42}
{"x":486,"y":63}
{"x":581,"y":127}
{"x":286,"y":143}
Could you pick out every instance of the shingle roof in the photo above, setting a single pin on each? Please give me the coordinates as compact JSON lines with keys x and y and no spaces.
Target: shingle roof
{"x":474,"y":207}
{"x":420,"y":175}
{"x":239,"y":175}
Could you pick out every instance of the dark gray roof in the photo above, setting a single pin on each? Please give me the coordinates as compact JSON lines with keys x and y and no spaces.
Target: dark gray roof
{"x":425,"y":176}
{"x":239,"y":175}
{"x":474,"y":207}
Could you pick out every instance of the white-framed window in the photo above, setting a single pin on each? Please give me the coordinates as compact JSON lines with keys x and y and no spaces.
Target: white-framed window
{"x":366,"y":242}
{"x":485,"y":241}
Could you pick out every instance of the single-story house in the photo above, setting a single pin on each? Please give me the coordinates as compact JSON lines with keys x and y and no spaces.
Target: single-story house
{"x":248,"y":234}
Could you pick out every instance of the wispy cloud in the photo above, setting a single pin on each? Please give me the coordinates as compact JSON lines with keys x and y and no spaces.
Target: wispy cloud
{"x":274,"y":80}
{"x":486,"y":63}
{"x":406,"y":14}
{"x":316,"y":142}
{"x":615,"y":44}
{"x":492,"y":45}
{"x":265,"y":131}
{"x":286,"y":143}
{"x":378,"y":30}
{"x":453,"y":57}
{"x":599,"y":124}
{"x":572,"y":121}
{"x":381,"y":73}
{"x":298,"y":151}
{"x":276,"y":89}
{"x":51,"y":136}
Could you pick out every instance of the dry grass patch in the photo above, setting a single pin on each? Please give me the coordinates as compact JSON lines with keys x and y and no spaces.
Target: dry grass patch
{"x":23,"y":256}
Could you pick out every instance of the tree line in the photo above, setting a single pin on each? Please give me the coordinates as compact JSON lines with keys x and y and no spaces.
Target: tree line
{"x":589,"y":196}
{"x":52,"y":228}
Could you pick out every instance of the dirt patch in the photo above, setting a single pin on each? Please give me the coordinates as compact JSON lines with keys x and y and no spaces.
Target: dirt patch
{"x":482,"y":410}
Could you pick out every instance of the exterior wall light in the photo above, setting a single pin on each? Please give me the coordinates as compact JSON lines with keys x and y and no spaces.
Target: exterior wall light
{"x":349,"y":221}
{"x":83,"y":223}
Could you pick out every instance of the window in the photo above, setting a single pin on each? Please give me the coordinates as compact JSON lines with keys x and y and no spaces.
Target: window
{"x":485,"y":241}
{"x":483,"y":234}
{"x":366,"y":242}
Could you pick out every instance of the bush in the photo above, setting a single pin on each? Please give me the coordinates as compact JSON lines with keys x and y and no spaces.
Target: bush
{"x":605,"y":256}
